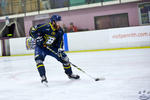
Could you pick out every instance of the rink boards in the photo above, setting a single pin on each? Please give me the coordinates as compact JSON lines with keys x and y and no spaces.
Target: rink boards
{"x":92,"y":40}
{"x":0,"y":48}
{"x":109,"y":39}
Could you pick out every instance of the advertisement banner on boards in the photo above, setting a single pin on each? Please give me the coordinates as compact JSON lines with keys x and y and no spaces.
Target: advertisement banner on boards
{"x":130,"y":34}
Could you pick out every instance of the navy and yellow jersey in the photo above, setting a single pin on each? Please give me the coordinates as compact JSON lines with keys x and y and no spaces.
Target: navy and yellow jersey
{"x":51,"y":36}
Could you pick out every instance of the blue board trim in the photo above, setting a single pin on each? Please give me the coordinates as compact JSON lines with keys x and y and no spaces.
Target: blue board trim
{"x":66,"y":42}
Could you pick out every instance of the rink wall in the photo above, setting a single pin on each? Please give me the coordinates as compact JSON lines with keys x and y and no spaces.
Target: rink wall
{"x":93,"y":40}
{"x":0,"y":48}
{"x":18,"y":46}
{"x":111,"y":38}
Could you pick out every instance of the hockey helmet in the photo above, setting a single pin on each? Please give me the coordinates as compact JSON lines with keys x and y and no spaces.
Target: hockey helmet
{"x":55,"y":18}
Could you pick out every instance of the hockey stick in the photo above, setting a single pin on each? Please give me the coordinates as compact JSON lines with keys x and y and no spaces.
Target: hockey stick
{"x":96,"y":79}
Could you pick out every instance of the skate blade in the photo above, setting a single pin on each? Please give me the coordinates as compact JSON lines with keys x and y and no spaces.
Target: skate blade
{"x":46,"y":84}
{"x":102,"y":78}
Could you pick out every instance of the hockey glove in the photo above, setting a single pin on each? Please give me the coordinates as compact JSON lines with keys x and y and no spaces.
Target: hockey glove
{"x":62,"y":55}
{"x":30,"y":43}
{"x":39,"y":41}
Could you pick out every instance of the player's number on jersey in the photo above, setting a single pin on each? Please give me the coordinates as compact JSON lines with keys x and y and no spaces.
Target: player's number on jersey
{"x":50,"y":40}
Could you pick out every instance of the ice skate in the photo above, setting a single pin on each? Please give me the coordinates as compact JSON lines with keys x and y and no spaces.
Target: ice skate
{"x":44,"y":79}
{"x":73,"y":76}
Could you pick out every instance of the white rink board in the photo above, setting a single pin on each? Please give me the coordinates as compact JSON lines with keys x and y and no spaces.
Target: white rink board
{"x":18,"y":46}
{"x":130,"y":34}
{"x":0,"y":48}
{"x":99,"y":39}
{"x":86,"y":40}
{"x":110,"y":38}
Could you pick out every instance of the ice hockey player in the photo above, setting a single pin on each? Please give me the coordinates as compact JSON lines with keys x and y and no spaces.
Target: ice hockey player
{"x":50,"y":35}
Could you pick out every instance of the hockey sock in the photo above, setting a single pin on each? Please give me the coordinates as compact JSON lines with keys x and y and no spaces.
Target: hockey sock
{"x":41,"y":69}
{"x":67,"y":69}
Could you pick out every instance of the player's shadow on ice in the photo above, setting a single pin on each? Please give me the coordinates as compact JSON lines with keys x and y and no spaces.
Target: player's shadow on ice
{"x":57,"y":83}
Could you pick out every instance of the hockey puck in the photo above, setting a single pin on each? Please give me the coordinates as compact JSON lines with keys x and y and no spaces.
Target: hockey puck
{"x":97,"y":79}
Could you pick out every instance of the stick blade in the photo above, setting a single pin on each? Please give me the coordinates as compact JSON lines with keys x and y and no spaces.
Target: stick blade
{"x":99,"y":79}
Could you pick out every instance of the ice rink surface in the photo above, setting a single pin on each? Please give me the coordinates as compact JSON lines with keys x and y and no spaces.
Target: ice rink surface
{"x":126,"y":71}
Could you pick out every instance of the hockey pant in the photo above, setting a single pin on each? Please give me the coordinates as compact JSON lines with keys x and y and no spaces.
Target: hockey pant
{"x":41,"y":53}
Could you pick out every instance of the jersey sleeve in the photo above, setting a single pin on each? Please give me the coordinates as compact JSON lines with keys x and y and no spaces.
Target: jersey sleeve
{"x":33,"y":33}
{"x":36,"y":31}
